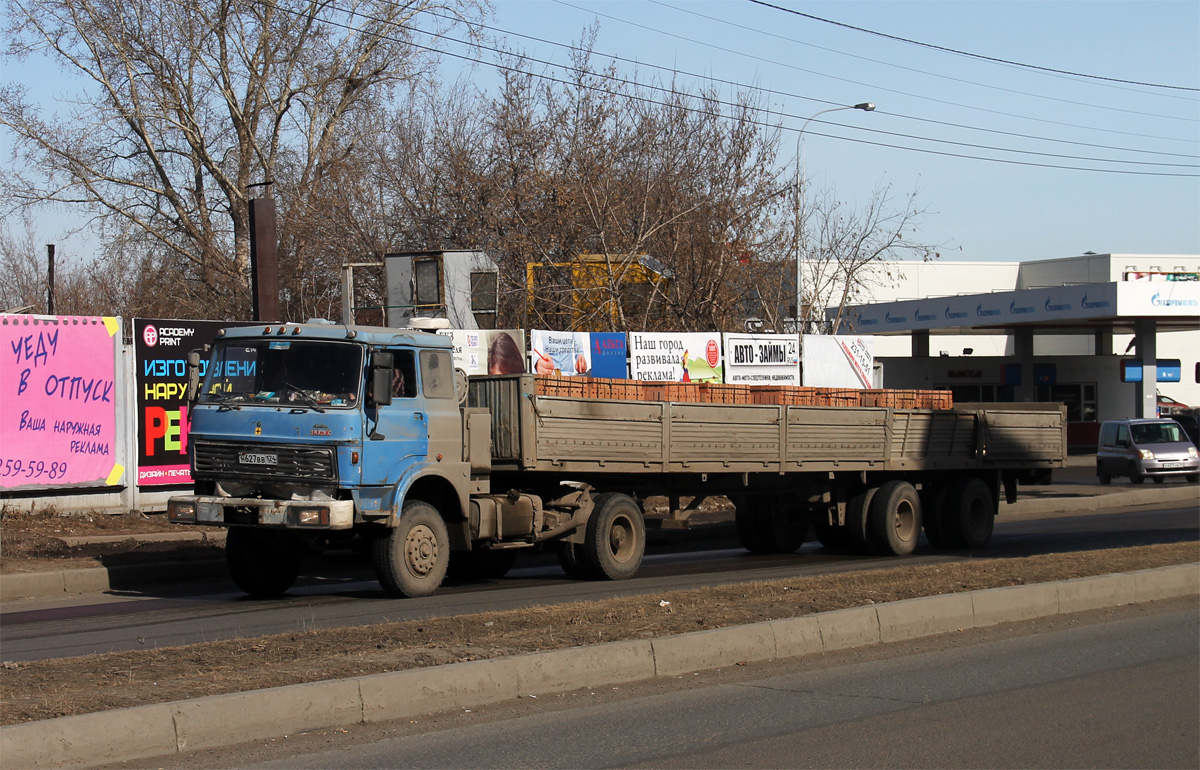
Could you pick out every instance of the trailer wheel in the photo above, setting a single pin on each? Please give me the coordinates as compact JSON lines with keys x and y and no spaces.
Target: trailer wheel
{"x":615,"y":539}
{"x":261,"y":563}
{"x":969,"y":514}
{"x":750,"y":530}
{"x":933,"y":502}
{"x":858,"y":508}
{"x":411,"y":559}
{"x":895,"y":519}
{"x":483,"y":564}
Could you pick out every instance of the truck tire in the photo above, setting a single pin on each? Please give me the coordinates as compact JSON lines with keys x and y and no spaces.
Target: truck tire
{"x":615,"y":538}
{"x":747,"y":520}
{"x":411,"y":559}
{"x":482,"y":564}
{"x":261,"y":563}
{"x":969,"y":514}
{"x":1135,"y":476}
{"x":570,"y":558}
{"x":1103,"y":475}
{"x":933,"y":500}
{"x":894,"y":519}
{"x":857,"y":532}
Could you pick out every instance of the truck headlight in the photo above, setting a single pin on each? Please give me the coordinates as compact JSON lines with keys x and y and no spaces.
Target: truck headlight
{"x":311,"y":515}
{"x":1146,"y":454}
{"x":181,"y":511}
{"x":1193,"y":452}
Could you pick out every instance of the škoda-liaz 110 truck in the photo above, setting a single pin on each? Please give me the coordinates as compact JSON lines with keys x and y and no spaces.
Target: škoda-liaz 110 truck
{"x":308,"y":436}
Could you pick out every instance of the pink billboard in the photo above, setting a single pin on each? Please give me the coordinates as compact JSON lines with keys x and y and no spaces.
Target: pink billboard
{"x":58,"y":401}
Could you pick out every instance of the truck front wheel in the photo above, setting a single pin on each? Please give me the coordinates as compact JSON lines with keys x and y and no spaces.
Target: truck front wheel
{"x":411,"y":559}
{"x":615,"y":539}
{"x":261,"y":563}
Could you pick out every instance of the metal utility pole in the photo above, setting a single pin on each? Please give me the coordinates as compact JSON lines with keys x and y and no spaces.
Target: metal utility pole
{"x":800,"y":250}
{"x":50,"y":279}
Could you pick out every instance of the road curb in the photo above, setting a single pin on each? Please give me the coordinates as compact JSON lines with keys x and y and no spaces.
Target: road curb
{"x":1176,"y":493}
{"x":225,"y":720}
{"x":42,"y":585}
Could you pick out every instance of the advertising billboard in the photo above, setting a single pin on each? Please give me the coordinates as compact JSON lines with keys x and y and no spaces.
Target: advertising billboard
{"x":762,"y":359}
{"x":160,"y":349}
{"x":491,"y":351}
{"x":676,"y":357}
{"x":58,"y":402}
{"x":839,"y":361}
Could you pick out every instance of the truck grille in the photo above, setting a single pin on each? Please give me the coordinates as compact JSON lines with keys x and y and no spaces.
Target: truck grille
{"x":213,"y":459}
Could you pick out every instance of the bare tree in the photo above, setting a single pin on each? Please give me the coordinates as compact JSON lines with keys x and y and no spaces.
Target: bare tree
{"x":850,"y":249}
{"x":188,"y":103}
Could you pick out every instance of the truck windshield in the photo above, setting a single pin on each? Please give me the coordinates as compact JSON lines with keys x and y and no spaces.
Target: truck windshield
{"x":283,"y":372}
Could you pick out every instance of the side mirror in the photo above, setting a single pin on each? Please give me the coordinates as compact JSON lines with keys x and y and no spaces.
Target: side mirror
{"x":382,"y":365}
{"x":193,"y":378}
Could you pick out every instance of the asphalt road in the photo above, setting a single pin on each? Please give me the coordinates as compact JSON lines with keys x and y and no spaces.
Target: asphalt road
{"x":33,"y":630}
{"x":1112,"y":688}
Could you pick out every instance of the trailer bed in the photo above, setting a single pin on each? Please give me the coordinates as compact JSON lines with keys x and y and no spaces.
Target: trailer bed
{"x":532,"y":432}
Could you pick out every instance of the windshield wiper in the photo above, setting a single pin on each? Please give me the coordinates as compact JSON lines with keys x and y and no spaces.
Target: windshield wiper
{"x":307,"y":399}
{"x":225,"y":402}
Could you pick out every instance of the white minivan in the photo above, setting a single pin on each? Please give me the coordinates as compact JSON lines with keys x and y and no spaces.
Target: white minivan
{"x":1142,"y":449}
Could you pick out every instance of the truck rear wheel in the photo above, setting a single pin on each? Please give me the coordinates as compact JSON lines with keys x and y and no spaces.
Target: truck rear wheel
{"x":615,"y":539}
{"x":570,"y":558}
{"x":895,"y":519}
{"x":261,"y":563}
{"x":969,"y":514}
{"x":411,"y":559}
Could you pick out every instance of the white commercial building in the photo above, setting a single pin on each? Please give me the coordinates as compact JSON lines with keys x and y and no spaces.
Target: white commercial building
{"x":1079,"y":330}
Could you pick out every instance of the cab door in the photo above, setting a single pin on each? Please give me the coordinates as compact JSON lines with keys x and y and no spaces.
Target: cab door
{"x":396,"y":435}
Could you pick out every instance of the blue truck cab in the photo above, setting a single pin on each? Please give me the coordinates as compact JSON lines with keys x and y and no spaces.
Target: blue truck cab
{"x":303,"y":435}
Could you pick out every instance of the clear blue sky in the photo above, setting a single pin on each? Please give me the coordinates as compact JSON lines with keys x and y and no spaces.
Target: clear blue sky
{"x":993,"y":211}
{"x":979,"y":210}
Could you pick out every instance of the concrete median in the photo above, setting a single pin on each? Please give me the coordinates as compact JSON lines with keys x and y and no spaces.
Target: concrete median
{"x":926,"y":616}
{"x":226,"y":720}
{"x":1004,"y":605}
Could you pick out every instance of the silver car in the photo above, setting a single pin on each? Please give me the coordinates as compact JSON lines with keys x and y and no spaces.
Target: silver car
{"x":1142,"y":449}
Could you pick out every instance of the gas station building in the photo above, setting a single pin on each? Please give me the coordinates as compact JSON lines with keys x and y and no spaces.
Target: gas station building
{"x":1105,"y":334}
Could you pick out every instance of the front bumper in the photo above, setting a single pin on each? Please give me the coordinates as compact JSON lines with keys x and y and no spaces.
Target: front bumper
{"x":257,"y":512}
{"x":1170,"y":466}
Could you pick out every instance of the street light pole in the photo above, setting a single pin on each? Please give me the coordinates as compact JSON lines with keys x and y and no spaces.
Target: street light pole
{"x":865,"y":107}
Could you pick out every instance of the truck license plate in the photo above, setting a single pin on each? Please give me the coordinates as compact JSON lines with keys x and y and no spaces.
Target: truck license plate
{"x":1171,"y":465}
{"x":248,"y":458}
